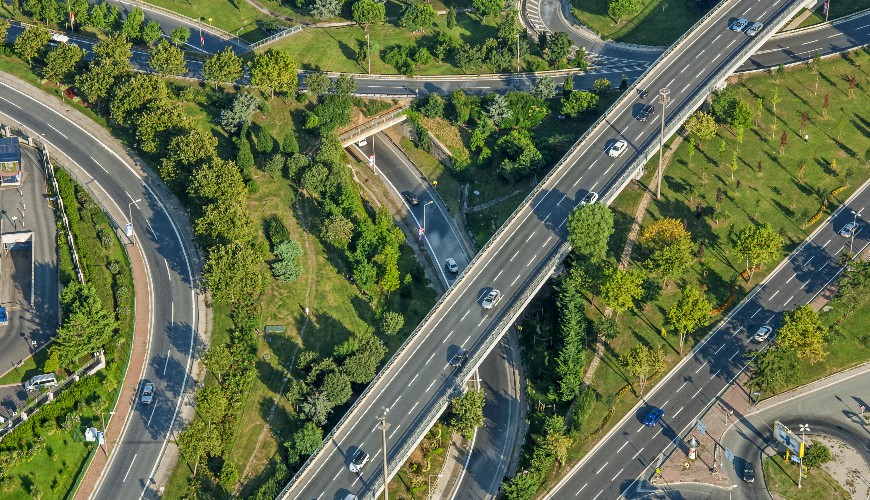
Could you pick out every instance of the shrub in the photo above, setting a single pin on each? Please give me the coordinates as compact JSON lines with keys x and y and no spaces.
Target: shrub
{"x":287,"y":267}
{"x":276,"y":231}
{"x":392,"y":322}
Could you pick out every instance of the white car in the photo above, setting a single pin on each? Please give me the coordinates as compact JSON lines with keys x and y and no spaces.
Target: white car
{"x":762,"y":334}
{"x":452,"y":266}
{"x":590,"y":198}
{"x":753,"y":29}
{"x":359,"y":460}
{"x":362,"y":142}
{"x":491,"y":299}
{"x":617,"y":149}
{"x":848,"y":230}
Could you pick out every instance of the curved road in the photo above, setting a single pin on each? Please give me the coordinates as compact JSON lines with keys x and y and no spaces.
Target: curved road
{"x":162,"y":232}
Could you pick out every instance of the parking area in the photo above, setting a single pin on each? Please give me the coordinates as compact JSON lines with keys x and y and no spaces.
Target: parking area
{"x":29,"y":286}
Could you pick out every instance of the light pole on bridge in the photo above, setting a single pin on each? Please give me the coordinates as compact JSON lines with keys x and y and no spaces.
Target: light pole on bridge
{"x":664,"y":99}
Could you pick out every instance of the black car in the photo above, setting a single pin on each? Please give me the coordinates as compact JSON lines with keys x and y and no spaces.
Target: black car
{"x":646,"y":112}
{"x":412,"y":198}
{"x":749,"y":472}
{"x":459,"y":358}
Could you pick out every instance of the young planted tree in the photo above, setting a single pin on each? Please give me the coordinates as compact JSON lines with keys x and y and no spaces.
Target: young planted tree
{"x":825,"y":104}
{"x":759,"y":109}
{"x":151,"y":33}
{"x":670,"y":246}
{"x":702,"y":125}
{"x":803,"y":332}
{"x":691,"y":312}
{"x":317,"y":84}
{"x":758,"y":244}
{"x":223,"y":67}
{"x":180,"y":35}
{"x":783,"y":142}
{"x":642,"y":362}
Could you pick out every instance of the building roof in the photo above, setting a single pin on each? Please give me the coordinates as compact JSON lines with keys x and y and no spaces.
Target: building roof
{"x":9,"y":149}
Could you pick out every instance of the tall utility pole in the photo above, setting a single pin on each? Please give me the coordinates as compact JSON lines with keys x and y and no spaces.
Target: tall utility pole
{"x":664,"y":99}
{"x":424,"y":213}
{"x":854,"y":229}
{"x":518,"y":52}
{"x":369,"y":53}
{"x":383,"y":426}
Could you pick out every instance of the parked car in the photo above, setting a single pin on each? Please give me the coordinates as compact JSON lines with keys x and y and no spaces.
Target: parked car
{"x":590,"y":198}
{"x":362,"y":142}
{"x":40,"y":381}
{"x":360,"y":458}
{"x":146,"y":397}
{"x":753,"y":29}
{"x":491,"y":299}
{"x":617,"y":149}
{"x":412,"y":198}
{"x":762,"y":334}
{"x":748,"y":472}
{"x":653,"y":417}
{"x":452,"y":266}
{"x":848,"y":230}
{"x":646,"y":112}
{"x":459,"y":358}
{"x":738,"y":25}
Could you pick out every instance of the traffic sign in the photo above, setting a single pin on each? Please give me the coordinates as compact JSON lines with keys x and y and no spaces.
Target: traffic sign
{"x":701,"y":428}
{"x":729,"y":455}
{"x":420,"y":233}
{"x":372,"y":161}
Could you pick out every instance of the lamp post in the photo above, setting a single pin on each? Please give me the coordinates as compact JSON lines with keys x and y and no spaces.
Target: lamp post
{"x":804,"y":428}
{"x":854,"y":229}
{"x":430,"y":483}
{"x":424,"y":214}
{"x":238,"y":42}
{"x":518,"y":52}
{"x":130,"y":216}
{"x":664,"y":99}
{"x":383,"y":426}
{"x":369,"y":53}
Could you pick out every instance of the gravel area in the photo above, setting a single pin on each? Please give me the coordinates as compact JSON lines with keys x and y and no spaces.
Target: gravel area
{"x":847,"y":466}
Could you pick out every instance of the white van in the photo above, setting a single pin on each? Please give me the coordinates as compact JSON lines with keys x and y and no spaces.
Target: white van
{"x":39,"y":381}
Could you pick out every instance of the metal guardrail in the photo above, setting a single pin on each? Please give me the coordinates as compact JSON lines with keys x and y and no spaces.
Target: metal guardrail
{"x":527,"y":203}
{"x":277,"y":36}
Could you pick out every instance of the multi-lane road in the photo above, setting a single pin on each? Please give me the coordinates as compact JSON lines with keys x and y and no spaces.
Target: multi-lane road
{"x":418,"y":379}
{"x":162,"y":232}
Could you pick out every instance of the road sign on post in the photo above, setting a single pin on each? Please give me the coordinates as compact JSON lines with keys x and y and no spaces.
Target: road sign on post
{"x":420,"y":233}
{"x":701,"y":428}
{"x":372,"y":161}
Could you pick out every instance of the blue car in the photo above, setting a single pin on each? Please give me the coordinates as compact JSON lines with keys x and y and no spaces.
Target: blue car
{"x":653,"y":417}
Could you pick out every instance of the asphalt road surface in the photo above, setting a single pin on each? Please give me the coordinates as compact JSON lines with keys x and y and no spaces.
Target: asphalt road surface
{"x":831,"y":411}
{"x":173,"y":303}
{"x":29,"y":329}
{"x":420,"y":378}
{"x":698,"y":382}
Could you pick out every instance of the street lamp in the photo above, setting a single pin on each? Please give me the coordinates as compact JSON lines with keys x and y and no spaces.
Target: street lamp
{"x":238,"y":42}
{"x":130,"y":215}
{"x":430,"y":483}
{"x":424,"y":214}
{"x":804,"y":428}
{"x":664,"y":99}
{"x":854,"y":229}
{"x":369,"y":53}
{"x":518,"y":52}
{"x":383,"y":425}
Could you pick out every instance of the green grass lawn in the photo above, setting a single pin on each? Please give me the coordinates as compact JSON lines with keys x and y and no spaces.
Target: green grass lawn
{"x":781,"y":478}
{"x":228,"y":15}
{"x":31,"y":366}
{"x":839,"y":8}
{"x":448,"y":187}
{"x":661,"y":22}
{"x":412,"y":480}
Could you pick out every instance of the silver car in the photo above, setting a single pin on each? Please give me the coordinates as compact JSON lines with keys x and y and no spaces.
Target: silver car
{"x":491,"y":299}
{"x":590,"y":198}
{"x":762,"y":334}
{"x":738,"y":25}
{"x":146,"y":397}
{"x":848,"y":230}
{"x":753,"y":29}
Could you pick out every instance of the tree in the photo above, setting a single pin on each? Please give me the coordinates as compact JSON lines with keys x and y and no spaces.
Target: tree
{"x":671,"y":247}
{"x":244,"y":157}
{"x":317,"y":83}
{"x":362,"y":365}
{"x":775,"y":99}
{"x":323,"y":9}
{"x":498,"y":109}
{"x":336,"y":388}
{"x":600,"y":85}
{"x":816,"y":455}
{"x":337,"y":230}
{"x":211,"y":404}
{"x":132,"y":26}
{"x":223,"y":67}
{"x":181,"y":35}
{"x":758,"y":244}
{"x":367,"y":12}
{"x":702,"y":125}
{"x":589,"y":229}
{"x":86,"y":326}
{"x":466,"y":413}
{"x":95,"y":83}
{"x":287,"y":266}
{"x":620,"y":289}
{"x":239,"y":114}
{"x":305,"y":442}
{"x":31,"y":42}
{"x":557,"y":48}
{"x":509,"y":28}
{"x":578,"y":103}
{"x":218,"y":361}
{"x":274,"y":70}
{"x":198,"y":440}
{"x":392,"y":322}
{"x":854,"y":285}
{"x":345,"y":86}
{"x":620,"y":9}
{"x":691,"y":312}
{"x":802,"y":331}
{"x":151,"y":33}
{"x":451,"y":18}
{"x":168,"y":59}
{"x":4,"y":30}
{"x":780,"y":72}
{"x":232,"y":273}
{"x":61,"y":61}
{"x":642,"y":362}
{"x":46,"y":11}
{"x":265,"y":142}
{"x":544,"y":88}
{"x":274,"y":165}
{"x":487,"y":7}
{"x":741,"y":115}
{"x":418,"y":16}
{"x":115,"y":52}
{"x":572,"y":328}
{"x":434,"y":107}
{"x":783,"y":142}
{"x":771,"y":369}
